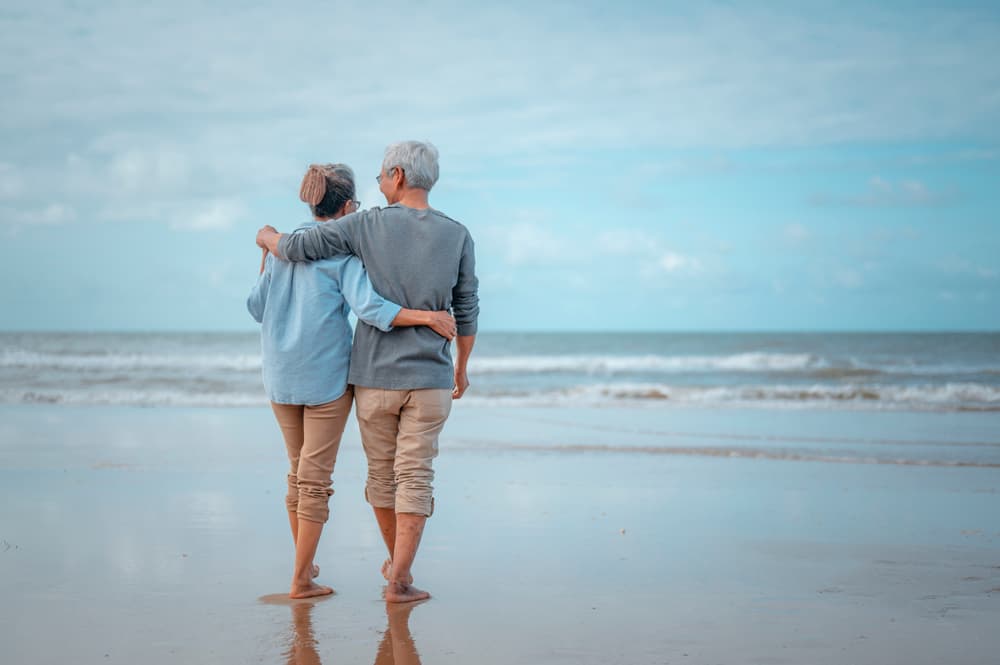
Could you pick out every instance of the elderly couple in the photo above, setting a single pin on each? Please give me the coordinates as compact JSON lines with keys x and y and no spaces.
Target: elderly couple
{"x":401,"y":268}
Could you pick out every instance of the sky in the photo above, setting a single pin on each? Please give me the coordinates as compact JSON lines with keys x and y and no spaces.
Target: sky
{"x":629,"y":166}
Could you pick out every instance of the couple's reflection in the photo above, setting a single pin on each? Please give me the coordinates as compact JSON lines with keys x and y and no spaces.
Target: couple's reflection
{"x":396,"y":648}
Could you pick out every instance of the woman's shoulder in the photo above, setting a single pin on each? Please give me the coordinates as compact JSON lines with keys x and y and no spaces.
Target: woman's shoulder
{"x":305,"y":226}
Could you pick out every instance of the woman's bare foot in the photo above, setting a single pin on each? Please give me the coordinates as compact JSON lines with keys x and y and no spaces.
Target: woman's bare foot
{"x":387,"y":570}
{"x":397,"y":592}
{"x":309,"y":590}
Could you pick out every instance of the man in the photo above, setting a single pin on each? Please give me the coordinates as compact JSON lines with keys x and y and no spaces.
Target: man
{"x":404,"y":379}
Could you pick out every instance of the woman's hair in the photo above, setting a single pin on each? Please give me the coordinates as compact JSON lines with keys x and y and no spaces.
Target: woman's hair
{"x":418,"y":159}
{"x":326,"y":188}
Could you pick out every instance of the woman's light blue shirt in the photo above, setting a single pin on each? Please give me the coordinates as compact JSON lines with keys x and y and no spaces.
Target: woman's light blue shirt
{"x":305,"y":335}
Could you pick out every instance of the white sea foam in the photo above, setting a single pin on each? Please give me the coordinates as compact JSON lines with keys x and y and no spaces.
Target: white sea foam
{"x":610,"y":364}
{"x":134,"y":398}
{"x":591,"y":364}
{"x":946,"y":396}
{"x":952,"y":396}
{"x":17,"y":358}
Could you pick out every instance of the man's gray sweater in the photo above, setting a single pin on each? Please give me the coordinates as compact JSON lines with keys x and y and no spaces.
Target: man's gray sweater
{"x":420,"y":259}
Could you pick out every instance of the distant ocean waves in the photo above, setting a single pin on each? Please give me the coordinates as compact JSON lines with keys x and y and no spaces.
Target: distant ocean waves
{"x":805,"y":364}
{"x":948,"y":396}
{"x":793,"y":363}
{"x":903,"y":372}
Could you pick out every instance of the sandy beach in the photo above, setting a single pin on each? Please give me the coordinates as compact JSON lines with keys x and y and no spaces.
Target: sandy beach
{"x":593,"y":536}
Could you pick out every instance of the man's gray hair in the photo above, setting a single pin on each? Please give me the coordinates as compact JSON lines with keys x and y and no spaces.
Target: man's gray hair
{"x":419,"y":161}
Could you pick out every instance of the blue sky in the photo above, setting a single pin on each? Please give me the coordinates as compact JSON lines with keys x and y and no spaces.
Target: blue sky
{"x":650,"y":166}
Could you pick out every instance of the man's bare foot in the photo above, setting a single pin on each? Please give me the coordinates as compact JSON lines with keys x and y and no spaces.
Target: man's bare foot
{"x":397,"y":592}
{"x":387,"y":570}
{"x":310,"y":590}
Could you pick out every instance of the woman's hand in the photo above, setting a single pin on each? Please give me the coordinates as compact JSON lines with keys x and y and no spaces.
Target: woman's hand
{"x":443,"y":323}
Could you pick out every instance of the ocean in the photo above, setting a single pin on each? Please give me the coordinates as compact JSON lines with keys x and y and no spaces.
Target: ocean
{"x":833,"y":371}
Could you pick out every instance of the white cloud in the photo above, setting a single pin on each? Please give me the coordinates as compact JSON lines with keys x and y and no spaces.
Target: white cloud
{"x":537,"y":244}
{"x":52,"y":214}
{"x":659,"y":73}
{"x":953,"y":264}
{"x":675,"y":263}
{"x":214,"y":215}
{"x":148,"y":171}
{"x":627,"y":242}
{"x":533,"y":243}
{"x":849,"y":278}
{"x":11,"y":183}
{"x":883,"y":193}
{"x":796,"y":232}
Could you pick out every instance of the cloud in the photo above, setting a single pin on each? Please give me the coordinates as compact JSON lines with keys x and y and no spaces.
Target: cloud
{"x":628,"y":242}
{"x":649,"y":251}
{"x":796,"y":233}
{"x":883,"y":193}
{"x":849,"y":278}
{"x":675,"y":263}
{"x":11,"y":183}
{"x":914,"y":79}
{"x":50,"y":215}
{"x":963,"y":156}
{"x":122,"y":101}
{"x":214,"y":215}
{"x":952,"y":264}
{"x":533,"y":244}
{"x":141,"y":171}
{"x":639,"y":253}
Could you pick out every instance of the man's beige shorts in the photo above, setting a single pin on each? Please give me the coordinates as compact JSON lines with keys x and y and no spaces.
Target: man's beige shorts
{"x":399,"y":431}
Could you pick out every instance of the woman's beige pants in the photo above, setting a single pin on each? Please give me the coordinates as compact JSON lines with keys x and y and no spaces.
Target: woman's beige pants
{"x":312,"y":437}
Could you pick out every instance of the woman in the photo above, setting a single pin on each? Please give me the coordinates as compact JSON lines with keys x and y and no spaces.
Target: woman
{"x":306,"y":346}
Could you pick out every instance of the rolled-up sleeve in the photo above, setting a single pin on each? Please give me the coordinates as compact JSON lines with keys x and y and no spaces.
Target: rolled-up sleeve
{"x":359,"y":293}
{"x":258,"y":295}
{"x":465,"y":294}
{"x":322,"y":241}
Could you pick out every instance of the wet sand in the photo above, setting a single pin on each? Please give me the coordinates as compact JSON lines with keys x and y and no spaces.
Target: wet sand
{"x":605,"y":536}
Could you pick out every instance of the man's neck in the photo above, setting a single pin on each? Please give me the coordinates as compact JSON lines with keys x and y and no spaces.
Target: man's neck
{"x":414,"y":198}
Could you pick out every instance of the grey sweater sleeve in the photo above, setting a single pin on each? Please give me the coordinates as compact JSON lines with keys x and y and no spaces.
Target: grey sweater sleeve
{"x":465,"y":294}
{"x":320,"y":242}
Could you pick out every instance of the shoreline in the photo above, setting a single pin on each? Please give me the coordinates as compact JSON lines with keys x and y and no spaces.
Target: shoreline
{"x":153,"y":535}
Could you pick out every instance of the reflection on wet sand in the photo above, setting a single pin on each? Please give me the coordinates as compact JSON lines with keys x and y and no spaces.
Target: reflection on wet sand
{"x":398,"y":647}
{"x":302,"y":650}
{"x":302,"y":645}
